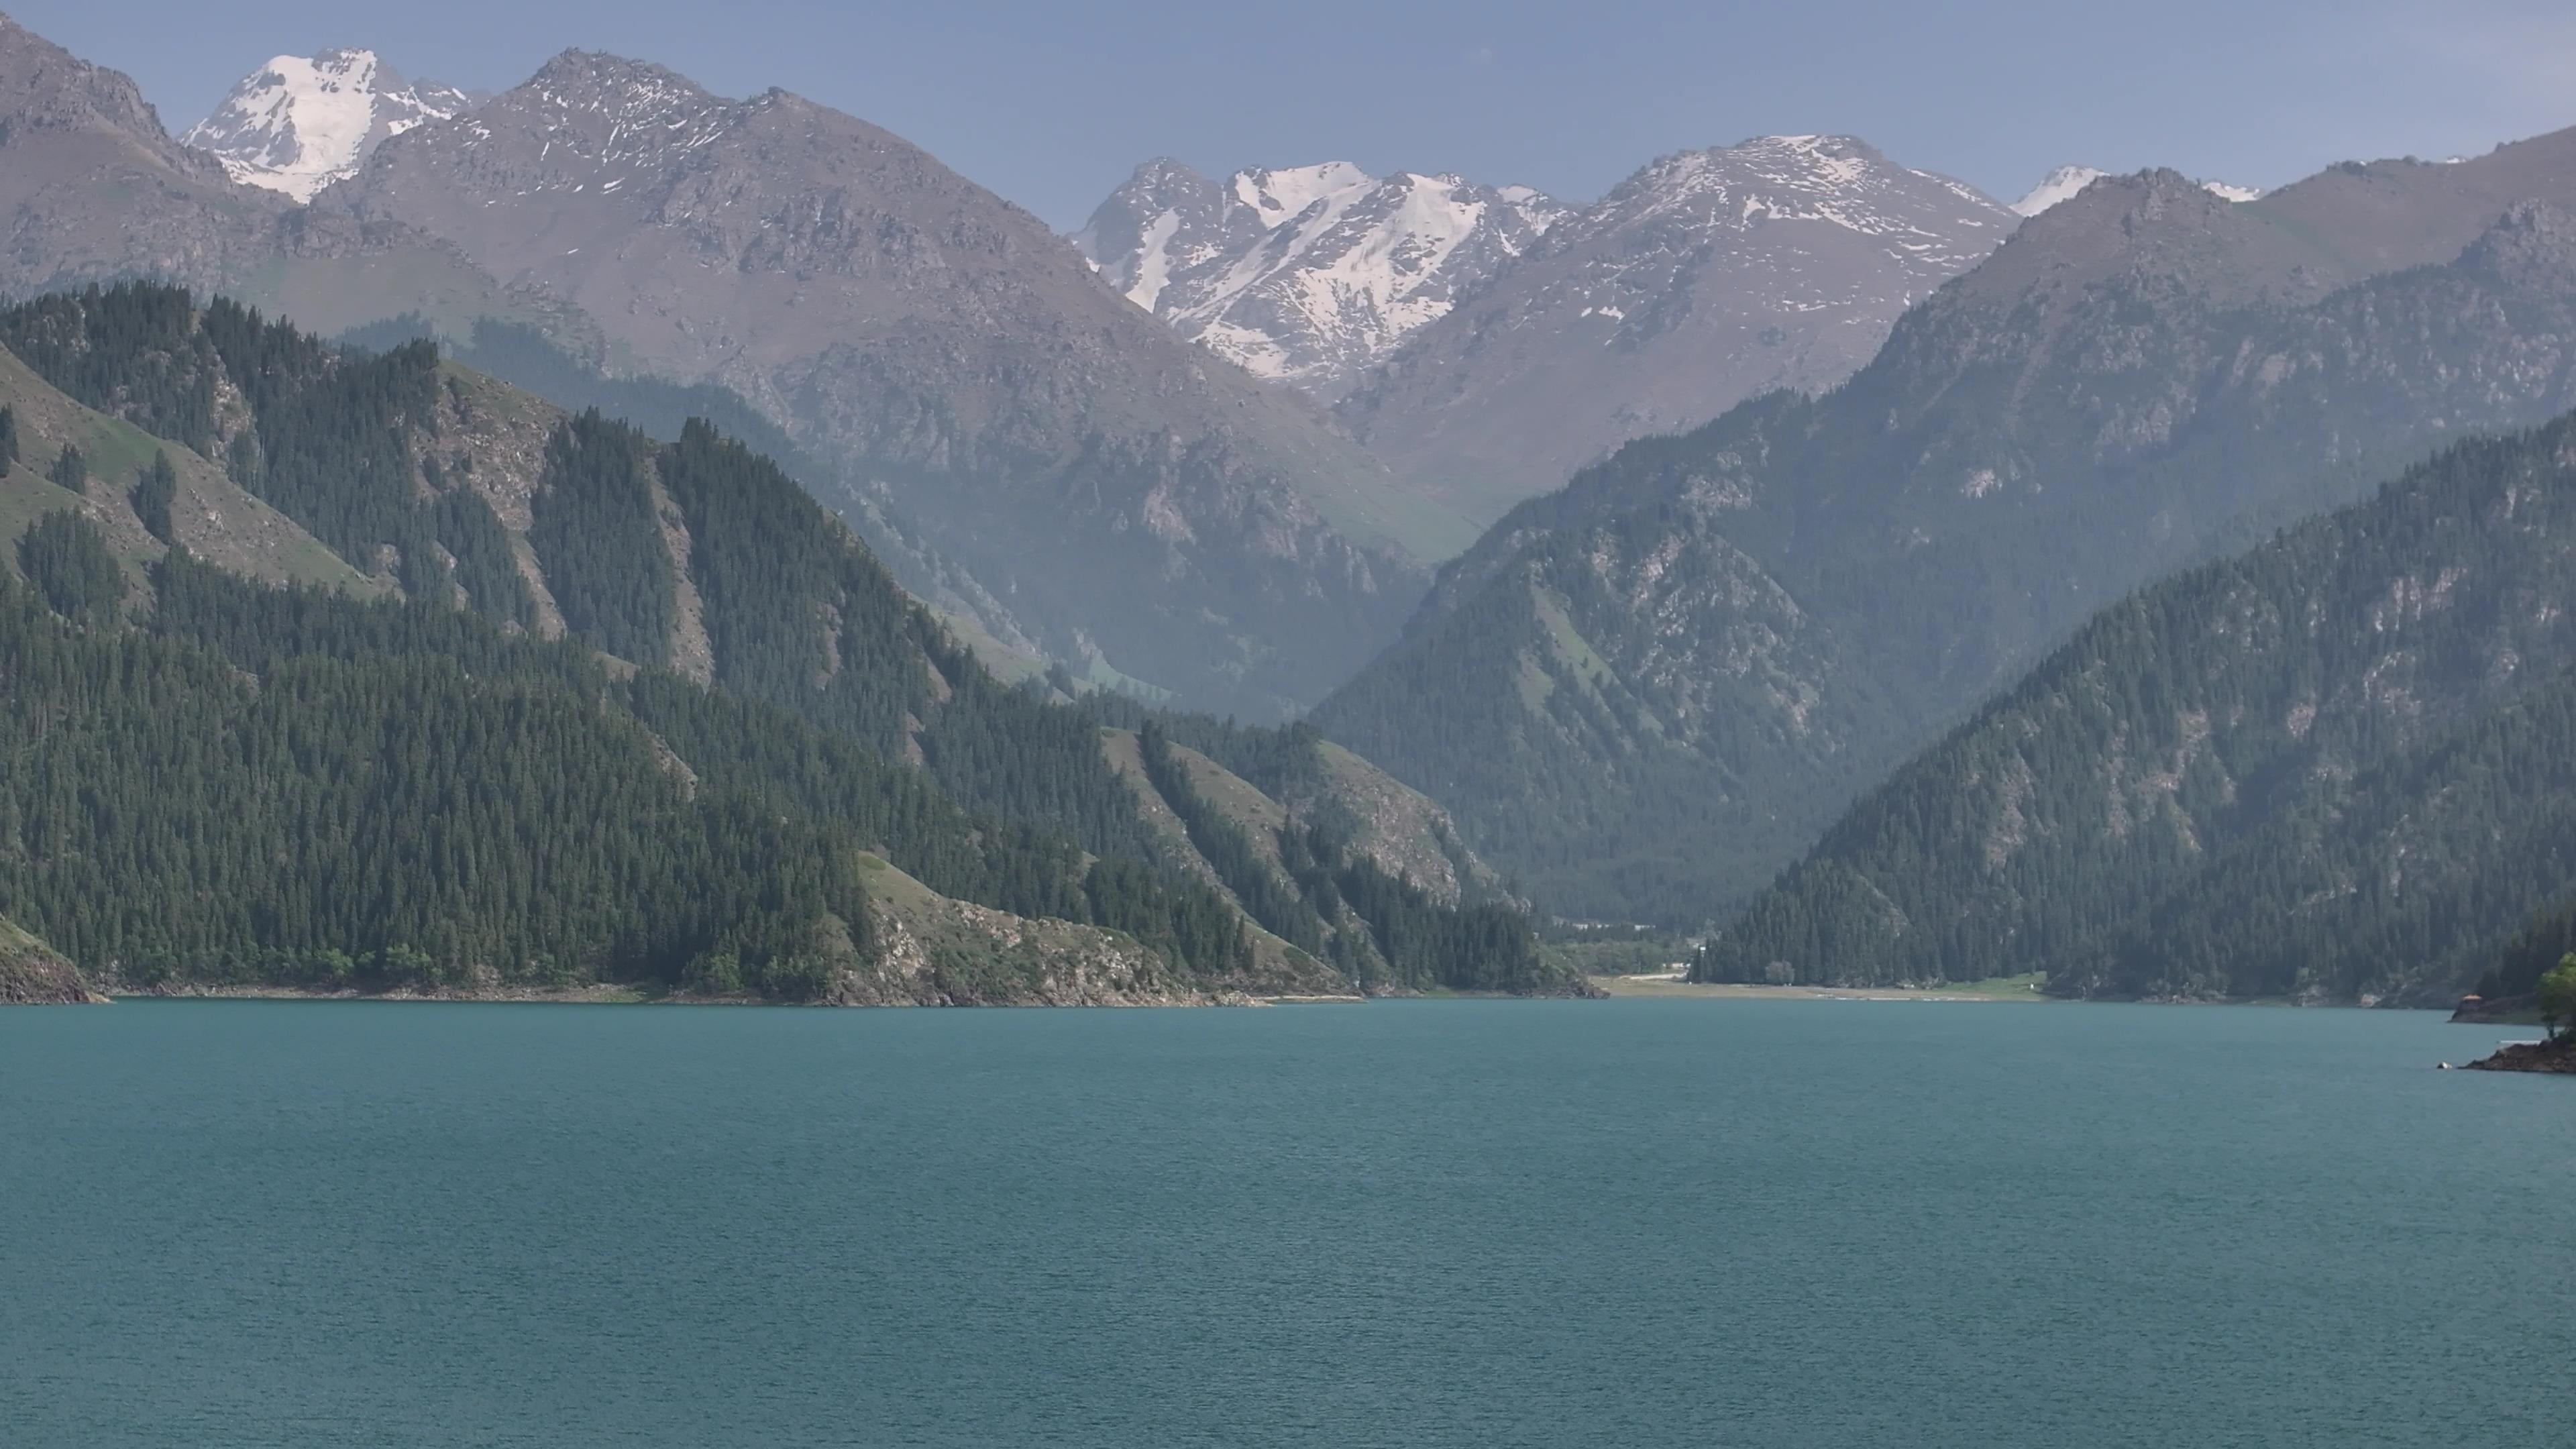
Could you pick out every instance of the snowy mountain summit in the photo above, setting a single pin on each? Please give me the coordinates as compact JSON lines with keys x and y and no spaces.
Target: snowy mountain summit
{"x":1706,"y":277}
{"x":2058,"y":185}
{"x":2065,"y":181}
{"x":1308,"y":273}
{"x":303,"y":122}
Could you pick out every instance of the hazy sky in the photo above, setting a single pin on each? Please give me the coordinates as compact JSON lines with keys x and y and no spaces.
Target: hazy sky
{"x":1052,"y":104}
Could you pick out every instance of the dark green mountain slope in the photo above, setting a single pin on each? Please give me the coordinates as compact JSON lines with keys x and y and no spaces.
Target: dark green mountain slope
{"x":1649,"y":691}
{"x":2339,"y":766}
{"x":788,"y":691}
{"x":697,"y":555}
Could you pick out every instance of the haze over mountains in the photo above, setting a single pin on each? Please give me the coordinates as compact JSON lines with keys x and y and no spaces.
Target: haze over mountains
{"x":941,"y":355}
{"x":1098,"y":488}
{"x":1126,"y":499}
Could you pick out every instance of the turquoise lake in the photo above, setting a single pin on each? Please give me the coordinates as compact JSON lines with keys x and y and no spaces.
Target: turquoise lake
{"x":1632,"y":1223}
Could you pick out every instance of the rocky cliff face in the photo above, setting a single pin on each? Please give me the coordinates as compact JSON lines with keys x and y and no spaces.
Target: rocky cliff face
{"x":940,"y":952}
{"x":1676,"y":665}
{"x":93,"y":187}
{"x":1140,"y":504}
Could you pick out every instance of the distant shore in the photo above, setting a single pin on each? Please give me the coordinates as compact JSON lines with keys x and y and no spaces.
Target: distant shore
{"x":617,"y":995}
{"x":2017,"y":988}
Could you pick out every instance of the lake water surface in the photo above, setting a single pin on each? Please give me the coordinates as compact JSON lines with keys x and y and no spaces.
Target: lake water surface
{"x":1634,"y":1223}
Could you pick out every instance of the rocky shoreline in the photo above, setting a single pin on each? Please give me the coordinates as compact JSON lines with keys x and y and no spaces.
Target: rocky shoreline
{"x":2556,"y":1055}
{"x":2523,"y":1010}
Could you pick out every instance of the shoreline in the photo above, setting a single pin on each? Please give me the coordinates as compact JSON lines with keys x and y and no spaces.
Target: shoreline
{"x":1664,"y":988}
{"x":2550,"y":1056}
{"x":614,"y":995}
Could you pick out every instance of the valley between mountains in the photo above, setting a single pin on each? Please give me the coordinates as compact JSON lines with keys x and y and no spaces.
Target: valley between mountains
{"x":606,"y":537}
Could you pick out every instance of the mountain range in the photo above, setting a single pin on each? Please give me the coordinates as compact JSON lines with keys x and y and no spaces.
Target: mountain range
{"x":1648,"y":692}
{"x":1486,"y":342}
{"x":1088,"y":483}
{"x":1854,"y":451}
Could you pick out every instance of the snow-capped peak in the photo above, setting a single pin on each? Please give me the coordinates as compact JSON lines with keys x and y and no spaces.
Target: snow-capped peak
{"x":1284,"y":194}
{"x":2062,"y":184}
{"x":302,"y":122}
{"x":1306,"y":273}
{"x":2057,"y":186}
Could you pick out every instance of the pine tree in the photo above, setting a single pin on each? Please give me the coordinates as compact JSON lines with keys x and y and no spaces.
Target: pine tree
{"x":67,"y":559}
{"x":153,"y":495}
{"x":70,"y":470}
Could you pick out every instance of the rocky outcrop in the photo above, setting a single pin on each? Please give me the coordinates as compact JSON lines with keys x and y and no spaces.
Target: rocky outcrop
{"x":32,"y":975}
{"x":935,"y":951}
{"x":2556,"y":1055}
{"x":2485,"y":1010}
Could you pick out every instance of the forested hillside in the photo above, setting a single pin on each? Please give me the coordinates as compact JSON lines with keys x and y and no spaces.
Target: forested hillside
{"x":1645,"y":694}
{"x":1298,"y":875}
{"x":763,"y":677}
{"x":2340,"y":766}
{"x":527,"y":360}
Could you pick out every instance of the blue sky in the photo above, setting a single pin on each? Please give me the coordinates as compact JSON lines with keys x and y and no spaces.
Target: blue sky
{"x":1052,"y":104}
